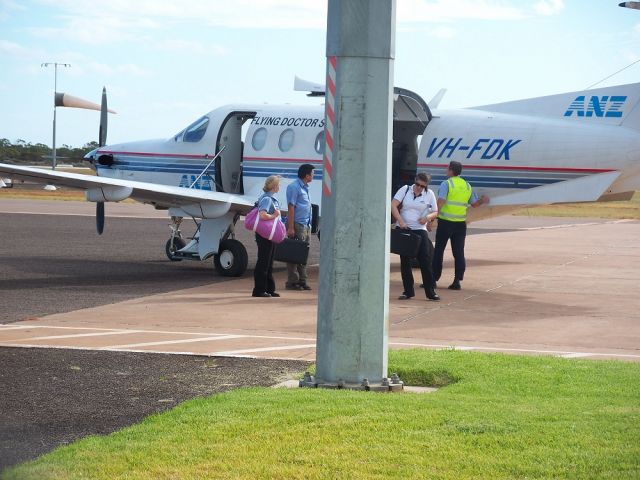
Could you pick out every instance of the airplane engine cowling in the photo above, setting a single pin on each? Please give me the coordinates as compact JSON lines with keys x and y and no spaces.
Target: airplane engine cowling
{"x":108,"y":194}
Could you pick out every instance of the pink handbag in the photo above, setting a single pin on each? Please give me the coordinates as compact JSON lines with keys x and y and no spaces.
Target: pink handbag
{"x":273,"y":230}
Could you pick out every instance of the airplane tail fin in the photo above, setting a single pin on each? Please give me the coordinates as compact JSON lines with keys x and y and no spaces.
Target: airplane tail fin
{"x":610,"y":106}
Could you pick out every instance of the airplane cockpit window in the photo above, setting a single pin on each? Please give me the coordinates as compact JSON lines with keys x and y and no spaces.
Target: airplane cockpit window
{"x":286,"y":140}
{"x":196,"y":130}
{"x":178,"y":136}
{"x":259,"y":139}
{"x":320,"y":143}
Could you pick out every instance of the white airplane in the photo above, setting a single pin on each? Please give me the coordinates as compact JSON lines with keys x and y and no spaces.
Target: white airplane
{"x":573,"y":147}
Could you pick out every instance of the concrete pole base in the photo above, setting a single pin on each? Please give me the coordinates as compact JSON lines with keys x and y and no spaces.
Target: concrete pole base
{"x":392,"y":384}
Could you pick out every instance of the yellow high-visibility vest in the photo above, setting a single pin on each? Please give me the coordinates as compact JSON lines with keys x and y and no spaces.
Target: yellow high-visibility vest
{"x":455,"y":208}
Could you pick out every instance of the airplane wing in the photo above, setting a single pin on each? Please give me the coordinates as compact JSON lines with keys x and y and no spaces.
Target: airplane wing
{"x":212,"y":204}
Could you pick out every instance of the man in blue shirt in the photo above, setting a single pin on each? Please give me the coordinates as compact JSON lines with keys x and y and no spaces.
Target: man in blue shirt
{"x":299,"y":223}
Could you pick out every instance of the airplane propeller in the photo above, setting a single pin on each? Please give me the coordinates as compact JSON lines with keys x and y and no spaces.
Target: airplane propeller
{"x":102,"y":140}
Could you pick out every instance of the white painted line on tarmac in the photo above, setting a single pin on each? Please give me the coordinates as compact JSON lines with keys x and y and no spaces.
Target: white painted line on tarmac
{"x":173,"y":332}
{"x":575,"y":355}
{"x":77,"y":335}
{"x":265,"y":349}
{"x":14,"y":327}
{"x":169,"y":332}
{"x":171,"y":342}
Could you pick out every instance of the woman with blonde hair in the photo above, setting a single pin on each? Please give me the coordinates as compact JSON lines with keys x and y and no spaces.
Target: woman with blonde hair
{"x":268,"y":209}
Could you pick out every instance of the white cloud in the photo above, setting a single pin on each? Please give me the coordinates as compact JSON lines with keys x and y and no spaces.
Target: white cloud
{"x":548,"y":7}
{"x":100,"y":21}
{"x":190,"y":47}
{"x":12,"y":49}
{"x":412,"y":11}
{"x":443,"y":32}
{"x":8,"y":7}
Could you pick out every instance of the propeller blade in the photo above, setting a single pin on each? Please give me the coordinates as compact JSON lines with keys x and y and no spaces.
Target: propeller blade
{"x":100,"y":217}
{"x":102,"y":140}
{"x":102,"y":134}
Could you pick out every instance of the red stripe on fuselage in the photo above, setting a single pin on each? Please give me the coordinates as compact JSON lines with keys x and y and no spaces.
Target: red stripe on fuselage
{"x":276,"y":159}
{"x":148,"y":154}
{"x":531,"y":169}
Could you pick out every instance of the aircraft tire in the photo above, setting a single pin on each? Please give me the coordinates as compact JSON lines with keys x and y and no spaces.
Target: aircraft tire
{"x":232,"y":258}
{"x":178,"y":243}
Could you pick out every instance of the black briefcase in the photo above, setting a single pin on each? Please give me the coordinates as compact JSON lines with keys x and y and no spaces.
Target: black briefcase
{"x":404,"y":243}
{"x":292,"y":250}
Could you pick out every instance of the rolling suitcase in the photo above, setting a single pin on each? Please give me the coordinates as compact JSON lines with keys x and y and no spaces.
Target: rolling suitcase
{"x":404,"y":243}
{"x":292,"y":251}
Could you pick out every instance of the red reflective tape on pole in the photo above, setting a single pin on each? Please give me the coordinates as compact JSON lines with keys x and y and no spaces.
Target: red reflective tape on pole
{"x":327,"y":179}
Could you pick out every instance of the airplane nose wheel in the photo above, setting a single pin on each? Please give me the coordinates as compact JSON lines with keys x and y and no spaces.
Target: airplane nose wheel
{"x":232,"y":258}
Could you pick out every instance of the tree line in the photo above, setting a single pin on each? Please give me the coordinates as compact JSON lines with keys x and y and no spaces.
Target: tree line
{"x":22,"y":152}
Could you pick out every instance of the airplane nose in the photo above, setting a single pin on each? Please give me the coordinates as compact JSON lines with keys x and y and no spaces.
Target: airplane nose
{"x":90,"y":156}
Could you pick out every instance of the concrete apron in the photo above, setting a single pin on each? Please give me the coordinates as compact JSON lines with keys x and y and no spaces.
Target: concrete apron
{"x":569,"y":291}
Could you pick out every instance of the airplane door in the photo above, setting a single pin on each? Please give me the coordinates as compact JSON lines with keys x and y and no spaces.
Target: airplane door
{"x":411,"y":115}
{"x":229,"y":163}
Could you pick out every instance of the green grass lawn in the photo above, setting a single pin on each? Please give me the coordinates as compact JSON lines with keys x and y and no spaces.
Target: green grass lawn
{"x":500,"y":416}
{"x":614,"y":210}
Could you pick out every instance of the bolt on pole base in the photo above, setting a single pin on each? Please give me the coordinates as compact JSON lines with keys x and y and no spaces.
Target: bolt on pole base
{"x":391,"y":384}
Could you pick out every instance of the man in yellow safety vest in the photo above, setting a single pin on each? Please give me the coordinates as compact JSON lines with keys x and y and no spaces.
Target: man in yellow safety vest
{"x":454,"y":197}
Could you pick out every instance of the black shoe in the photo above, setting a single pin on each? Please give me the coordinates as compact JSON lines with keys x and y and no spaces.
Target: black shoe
{"x":261,"y":295}
{"x":431,"y":295}
{"x":455,"y":285}
{"x":274,"y":294}
{"x":304,"y":286}
{"x":293,"y":286}
{"x":404,"y":296}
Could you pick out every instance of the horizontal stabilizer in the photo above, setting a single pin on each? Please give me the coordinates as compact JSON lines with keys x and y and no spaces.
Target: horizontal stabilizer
{"x":314,"y":89}
{"x":584,"y":189}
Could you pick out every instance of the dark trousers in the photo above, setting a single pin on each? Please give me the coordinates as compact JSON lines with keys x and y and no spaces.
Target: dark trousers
{"x":263,"y":273}
{"x":424,"y":259}
{"x":456,"y":232}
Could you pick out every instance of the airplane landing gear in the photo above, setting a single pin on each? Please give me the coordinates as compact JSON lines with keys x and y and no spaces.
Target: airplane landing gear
{"x":232,"y":258}
{"x":176,"y":242}
{"x":172,"y":246}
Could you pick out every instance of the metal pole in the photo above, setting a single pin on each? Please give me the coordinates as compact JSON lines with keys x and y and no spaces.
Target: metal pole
{"x":55,"y":90}
{"x":353,"y":303}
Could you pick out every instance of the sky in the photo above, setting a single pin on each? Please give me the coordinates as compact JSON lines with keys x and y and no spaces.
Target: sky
{"x":165,"y":63}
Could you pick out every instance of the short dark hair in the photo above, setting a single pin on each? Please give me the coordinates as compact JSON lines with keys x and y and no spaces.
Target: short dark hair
{"x":455,"y":167}
{"x":305,"y":169}
{"x":425,"y":177}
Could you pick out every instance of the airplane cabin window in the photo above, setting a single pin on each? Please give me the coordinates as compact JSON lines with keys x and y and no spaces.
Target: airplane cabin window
{"x":259,"y":138}
{"x":320,"y":143}
{"x":286,"y":140}
{"x":196,"y":130}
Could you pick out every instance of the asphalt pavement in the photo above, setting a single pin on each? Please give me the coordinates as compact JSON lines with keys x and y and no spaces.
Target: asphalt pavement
{"x":58,"y":263}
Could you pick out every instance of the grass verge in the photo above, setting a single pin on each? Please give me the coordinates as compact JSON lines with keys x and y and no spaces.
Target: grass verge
{"x":613,"y":210}
{"x":504,"y":417}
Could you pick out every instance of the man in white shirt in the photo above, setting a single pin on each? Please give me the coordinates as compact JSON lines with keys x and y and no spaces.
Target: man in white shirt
{"x":414,"y":208}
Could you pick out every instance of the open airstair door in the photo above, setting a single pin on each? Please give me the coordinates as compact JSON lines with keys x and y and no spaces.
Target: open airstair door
{"x":411,"y":115}
{"x":229,"y":163}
